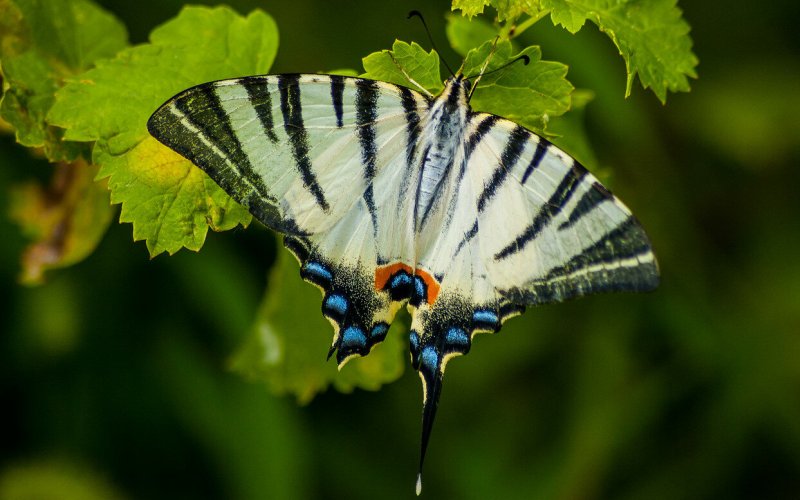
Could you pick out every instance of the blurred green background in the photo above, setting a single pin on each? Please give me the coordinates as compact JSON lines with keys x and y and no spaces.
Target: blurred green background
{"x":113,"y":375}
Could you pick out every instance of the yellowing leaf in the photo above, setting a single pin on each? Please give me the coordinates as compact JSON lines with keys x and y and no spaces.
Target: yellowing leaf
{"x":174,"y":201}
{"x":66,"y":221}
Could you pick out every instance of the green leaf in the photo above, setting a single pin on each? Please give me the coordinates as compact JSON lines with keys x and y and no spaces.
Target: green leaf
{"x":66,"y":221}
{"x":41,"y":44}
{"x":170,"y":202}
{"x":528,"y":94}
{"x":291,"y":338}
{"x":651,"y":36}
{"x":405,"y":61}
{"x":506,"y":9}
{"x":465,"y":34}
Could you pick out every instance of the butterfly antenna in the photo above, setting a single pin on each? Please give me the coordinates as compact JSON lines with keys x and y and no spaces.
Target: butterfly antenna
{"x":416,"y":13}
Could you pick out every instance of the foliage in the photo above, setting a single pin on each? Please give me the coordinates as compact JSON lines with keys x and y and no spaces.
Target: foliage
{"x":117,"y":366}
{"x":75,"y":84}
{"x":41,"y":45}
{"x":170,"y":203}
{"x":651,"y":36}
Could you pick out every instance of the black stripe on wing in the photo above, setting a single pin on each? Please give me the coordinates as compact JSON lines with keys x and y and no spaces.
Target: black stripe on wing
{"x":485,"y":125}
{"x":366,"y":114}
{"x":412,"y":123}
{"x":593,"y":197}
{"x":516,"y":143}
{"x":413,"y":128}
{"x":508,"y":159}
{"x":293,"y":124}
{"x":622,"y":260}
{"x":261,"y":100}
{"x":337,"y":95}
{"x":203,"y":110}
{"x":552,"y":207}
{"x":538,"y":155}
{"x":194,"y":124}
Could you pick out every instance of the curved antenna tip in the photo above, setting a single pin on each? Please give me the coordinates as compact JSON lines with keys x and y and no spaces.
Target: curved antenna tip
{"x":526,"y":59}
{"x":414,"y":13}
{"x":419,"y":483}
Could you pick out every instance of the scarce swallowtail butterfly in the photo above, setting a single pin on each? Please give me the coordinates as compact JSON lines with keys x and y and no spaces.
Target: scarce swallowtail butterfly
{"x":388,"y":197}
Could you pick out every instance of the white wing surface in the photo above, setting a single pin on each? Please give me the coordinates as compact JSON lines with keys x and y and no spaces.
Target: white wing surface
{"x":321,"y":159}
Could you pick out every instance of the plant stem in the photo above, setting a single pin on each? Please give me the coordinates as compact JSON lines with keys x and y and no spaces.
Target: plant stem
{"x":514,"y":30}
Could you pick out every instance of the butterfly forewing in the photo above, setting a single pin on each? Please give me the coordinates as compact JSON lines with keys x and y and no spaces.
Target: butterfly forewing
{"x":547,"y":229}
{"x":321,"y":159}
{"x":288,"y":147}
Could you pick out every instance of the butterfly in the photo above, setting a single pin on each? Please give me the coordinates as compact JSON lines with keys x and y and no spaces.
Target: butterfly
{"x":389,"y":197}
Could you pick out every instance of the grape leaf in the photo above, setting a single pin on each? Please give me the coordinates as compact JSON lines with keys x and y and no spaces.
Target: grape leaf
{"x":66,"y":221}
{"x":506,"y":9}
{"x":170,"y":202}
{"x":291,"y":338}
{"x":389,"y":66}
{"x":527,"y":94}
{"x":41,"y":44}
{"x":652,"y":37}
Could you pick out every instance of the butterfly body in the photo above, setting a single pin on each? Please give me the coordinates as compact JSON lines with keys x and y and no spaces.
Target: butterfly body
{"x":389,"y":198}
{"x":443,"y":146}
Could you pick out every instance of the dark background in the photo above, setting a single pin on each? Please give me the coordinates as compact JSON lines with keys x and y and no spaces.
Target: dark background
{"x":113,"y":376}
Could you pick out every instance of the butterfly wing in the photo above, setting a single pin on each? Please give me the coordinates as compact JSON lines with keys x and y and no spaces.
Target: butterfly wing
{"x":572,"y":237}
{"x":320,"y":159}
{"x":522,"y":223}
{"x":530,"y":225}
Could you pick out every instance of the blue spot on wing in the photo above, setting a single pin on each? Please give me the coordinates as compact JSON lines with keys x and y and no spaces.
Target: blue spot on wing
{"x":420,"y":294}
{"x":335,"y":306}
{"x":317,"y":273}
{"x":400,"y":280}
{"x":457,"y":339}
{"x":413,"y":344}
{"x":353,"y":337}
{"x":378,"y":332}
{"x":399,"y":285}
{"x":429,"y":359}
{"x":485,"y":319}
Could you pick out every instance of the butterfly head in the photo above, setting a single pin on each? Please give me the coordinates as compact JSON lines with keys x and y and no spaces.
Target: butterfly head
{"x":456,"y":93}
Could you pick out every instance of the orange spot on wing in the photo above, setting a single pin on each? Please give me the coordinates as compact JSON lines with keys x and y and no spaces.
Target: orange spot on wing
{"x":383,"y":273}
{"x":431,"y":283}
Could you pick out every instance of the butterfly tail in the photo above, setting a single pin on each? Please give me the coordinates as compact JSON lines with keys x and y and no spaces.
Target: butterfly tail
{"x":431,"y":372}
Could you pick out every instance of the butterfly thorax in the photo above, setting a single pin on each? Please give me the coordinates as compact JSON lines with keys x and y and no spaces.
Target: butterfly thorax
{"x":442,"y":146}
